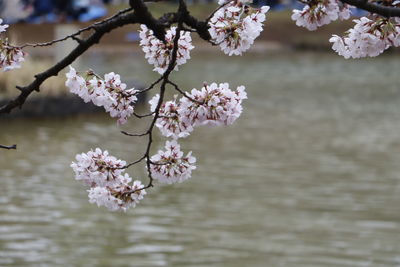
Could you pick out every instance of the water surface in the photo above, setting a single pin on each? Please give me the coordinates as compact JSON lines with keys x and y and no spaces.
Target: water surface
{"x":308,"y":176}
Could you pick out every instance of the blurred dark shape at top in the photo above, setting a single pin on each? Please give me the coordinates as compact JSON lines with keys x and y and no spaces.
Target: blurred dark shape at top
{"x":39,"y":11}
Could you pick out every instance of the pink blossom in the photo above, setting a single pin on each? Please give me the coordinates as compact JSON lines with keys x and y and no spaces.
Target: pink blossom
{"x":216,"y":104}
{"x":3,"y":27}
{"x":171,"y":166}
{"x":110,"y":185}
{"x":320,"y":13}
{"x":159,"y":53}
{"x":10,"y":57}
{"x":236,"y":25}
{"x":98,"y":168}
{"x":369,"y":38}
{"x":170,"y":121}
{"x":118,"y":198}
{"x":109,"y":93}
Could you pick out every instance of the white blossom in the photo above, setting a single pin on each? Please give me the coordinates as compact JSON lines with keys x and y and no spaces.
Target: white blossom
{"x":369,"y":38}
{"x":77,"y":85}
{"x":10,"y":57}
{"x":216,"y":104}
{"x":98,"y":168}
{"x":109,"y":92}
{"x":139,"y":192}
{"x":170,"y":121}
{"x":235,"y":26}
{"x":3,"y":27}
{"x":339,"y":46}
{"x":171,"y":166}
{"x":110,"y":186}
{"x":118,"y":198}
{"x":320,"y":12}
{"x":103,"y":197}
{"x":159,"y":53}
{"x":120,"y":98}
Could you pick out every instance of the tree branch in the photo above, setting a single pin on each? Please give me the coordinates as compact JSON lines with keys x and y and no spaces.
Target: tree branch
{"x":135,"y":135}
{"x":167,"y":19}
{"x":75,"y":34}
{"x":145,"y":17}
{"x":164,"y":78}
{"x":81,"y":48}
{"x":9,"y":147}
{"x":201,"y":27}
{"x":184,"y":93}
{"x":385,"y":11}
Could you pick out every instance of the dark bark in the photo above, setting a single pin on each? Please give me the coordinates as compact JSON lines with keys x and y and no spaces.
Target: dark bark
{"x":385,"y":11}
{"x":9,"y":147}
{"x":145,"y":17}
{"x":99,"y":31}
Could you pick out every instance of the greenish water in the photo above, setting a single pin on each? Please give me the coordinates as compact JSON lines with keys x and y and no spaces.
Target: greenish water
{"x":308,"y":176}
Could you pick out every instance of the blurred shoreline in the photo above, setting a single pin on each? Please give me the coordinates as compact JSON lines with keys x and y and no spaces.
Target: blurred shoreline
{"x":280,"y":31}
{"x":280,"y":35}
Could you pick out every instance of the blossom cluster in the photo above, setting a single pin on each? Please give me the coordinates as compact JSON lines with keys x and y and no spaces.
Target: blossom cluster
{"x":369,"y":37}
{"x":10,"y":57}
{"x":320,"y":12}
{"x":159,"y":53}
{"x":214,"y":104}
{"x":171,"y":166}
{"x":3,"y":27}
{"x":170,"y":122}
{"x":109,"y":92}
{"x":109,"y":185}
{"x":236,"y":25}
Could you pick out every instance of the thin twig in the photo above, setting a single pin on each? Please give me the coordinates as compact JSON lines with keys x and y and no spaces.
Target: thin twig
{"x":135,"y":135}
{"x":386,"y":11}
{"x":150,"y":86}
{"x":184,"y":93}
{"x":75,"y":34}
{"x":81,"y":48}
{"x":164,"y":79}
{"x":188,"y":30}
{"x":143,"y":116}
{"x":133,"y":163}
{"x":8,"y":147}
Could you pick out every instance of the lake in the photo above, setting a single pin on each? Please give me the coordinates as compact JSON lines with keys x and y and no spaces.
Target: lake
{"x":309,"y":175}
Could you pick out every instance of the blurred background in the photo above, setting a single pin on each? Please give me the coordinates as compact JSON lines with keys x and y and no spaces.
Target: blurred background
{"x":307,"y":176}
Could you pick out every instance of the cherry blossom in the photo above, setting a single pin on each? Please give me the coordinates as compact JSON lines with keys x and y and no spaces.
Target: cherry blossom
{"x":159,"y":53}
{"x":98,"y":168}
{"x":77,"y":85}
{"x":171,"y":166}
{"x":320,"y":12}
{"x":110,"y":186}
{"x":235,"y":26}
{"x":117,"y":198}
{"x":369,"y":37}
{"x":109,"y":93}
{"x":216,"y":104}
{"x":10,"y":57}
{"x":212,"y":105}
{"x":122,"y":98}
{"x":3,"y":27}
{"x":170,"y":122}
